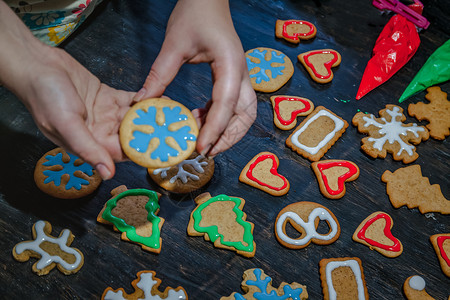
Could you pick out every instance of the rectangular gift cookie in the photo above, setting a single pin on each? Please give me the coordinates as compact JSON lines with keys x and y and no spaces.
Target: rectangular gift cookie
{"x":317,"y":133}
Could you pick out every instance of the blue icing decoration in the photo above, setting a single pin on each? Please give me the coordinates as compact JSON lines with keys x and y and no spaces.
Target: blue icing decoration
{"x":67,"y":168}
{"x":289,"y":293}
{"x":264,"y":65}
{"x":161,"y":132}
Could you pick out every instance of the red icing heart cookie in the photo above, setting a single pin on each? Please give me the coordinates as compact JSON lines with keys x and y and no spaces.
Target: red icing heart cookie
{"x":441,"y":245}
{"x":286,"y":109}
{"x":318,"y":63}
{"x":332,"y":175}
{"x":262,"y":172}
{"x":295,"y":30}
{"x":376,"y":234}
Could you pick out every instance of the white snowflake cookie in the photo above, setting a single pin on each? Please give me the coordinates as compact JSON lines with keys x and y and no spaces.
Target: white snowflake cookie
{"x":389,"y":134}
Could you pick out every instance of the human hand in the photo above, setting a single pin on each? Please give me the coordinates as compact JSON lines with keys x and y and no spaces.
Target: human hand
{"x":202,"y":31}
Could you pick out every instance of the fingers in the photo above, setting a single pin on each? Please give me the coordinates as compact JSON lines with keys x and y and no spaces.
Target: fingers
{"x":79,"y":141}
{"x":163,"y":71}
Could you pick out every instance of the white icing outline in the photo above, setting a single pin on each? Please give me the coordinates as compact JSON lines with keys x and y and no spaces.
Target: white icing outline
{"x":182,"y":174}
{"x":47,"y":259}
{"x":339,"y":124}
{"x":354,"y":265}
{"x":391,"y":131}
{"x":309,"y":226}
{"x":146,"y":284}
{"x":417,"y":283}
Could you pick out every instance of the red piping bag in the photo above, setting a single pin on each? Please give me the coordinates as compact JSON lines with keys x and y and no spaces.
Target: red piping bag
{"x":395,"y":46}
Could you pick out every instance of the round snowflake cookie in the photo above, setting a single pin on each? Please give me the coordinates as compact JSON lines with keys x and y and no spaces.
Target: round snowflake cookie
{"x":64,"y":175}
{"x":187,"y":176}
{"x":158,"y":133}
{"x":269,"y":69}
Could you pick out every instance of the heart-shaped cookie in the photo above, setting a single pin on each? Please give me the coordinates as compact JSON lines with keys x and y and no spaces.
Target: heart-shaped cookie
{"x":332,"y":175}
{"x":375,"y":232}
{"x":286,"y":109}
{"x":262,"y":172}
{"x":318,"y":63}
{"x":441,"y":244}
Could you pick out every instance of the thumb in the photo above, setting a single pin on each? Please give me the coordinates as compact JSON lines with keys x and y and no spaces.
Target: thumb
{"x":79,"y":141}
{"x":163,"y":71}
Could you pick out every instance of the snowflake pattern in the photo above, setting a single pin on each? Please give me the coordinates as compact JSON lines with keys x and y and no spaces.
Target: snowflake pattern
{"x":182,"y":174}
{"x":142,"y":139}
{"x":265,"y":65}
{"x":67,"y":168}
{"x":388,"y":133}
{"x":263,"y":290}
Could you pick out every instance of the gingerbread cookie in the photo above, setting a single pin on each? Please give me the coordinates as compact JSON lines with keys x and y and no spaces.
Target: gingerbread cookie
{"x":414,"y":289}
{"x":257,"y":286}
{"x":375,"y":232}
{"x":407,"y":186}
{"x":63,"y":175}
{"x":185,"y":177}
{"x":220,"y":219}
{"x":269,"y":69}
{"x":317,"y":133}
{"x":262,"y":173}
{"x":437,"y":112}
{"x":158,"y":133}
{"x":304,"y":217}
{"x":332,"y":174}
{"x":134,"y":213}
{"x":343,"y":278}
{"x":441,"y":245}
{"x":146,"y":287}
{"x":389,"y":134}
{"x":52,"y":252}
{"x":286,"y":109}
{"x":295,"y":30}
{"x":318,"y":63}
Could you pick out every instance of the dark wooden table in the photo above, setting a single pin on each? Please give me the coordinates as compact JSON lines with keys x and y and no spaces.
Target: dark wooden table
{"x":118,"y":44}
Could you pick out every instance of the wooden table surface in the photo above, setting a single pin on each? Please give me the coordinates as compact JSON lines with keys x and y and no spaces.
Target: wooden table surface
{"x":118,"y":44}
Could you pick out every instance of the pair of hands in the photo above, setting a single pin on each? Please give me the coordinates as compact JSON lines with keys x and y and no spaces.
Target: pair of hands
{"x":75,"y":110}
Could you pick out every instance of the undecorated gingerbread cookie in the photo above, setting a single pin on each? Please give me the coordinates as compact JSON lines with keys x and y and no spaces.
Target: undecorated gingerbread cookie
{"x":158,"y":133}
{"x":146,"y":287}
{"x":407,"y":186}
{"x":375,"y":232}
{"x":437,"y":112}
{"x":286,"y":109}
{"x":258,"y":286}
{"x":187,"y":176}
{"x":221,"y":220}
{"x":389,"y":134}
{"x":51,"y":251}
{"x":261,"y":172}
{"x":294,"y":31}
{"x":304,"y":217}
{"x":317,"y":133}
{"x":63,"y":175}
{"x":269,"y":69}
{"x":318,"y":63}
{"x":134,"y":214}
{"x":332,"y":174}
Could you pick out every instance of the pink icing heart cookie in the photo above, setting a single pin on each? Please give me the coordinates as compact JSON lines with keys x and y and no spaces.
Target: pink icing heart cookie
{"x":332,"y":175}
{"x":318,"y":63}
{"x":375,"y":232}
{"x":262,"y":173}
{"x":286,"y":109}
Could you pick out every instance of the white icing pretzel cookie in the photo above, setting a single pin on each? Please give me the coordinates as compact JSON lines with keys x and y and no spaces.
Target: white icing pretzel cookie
{"x":304,"y":217}
{"x":52,"y":252}
{"x":187,"y":176}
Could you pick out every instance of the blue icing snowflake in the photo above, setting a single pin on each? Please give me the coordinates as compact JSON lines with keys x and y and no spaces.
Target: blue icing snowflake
{"x":262,"y":285}
{"x":67,"y":168}
{"x":142,"y":140}
{"x":264,"y":65}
